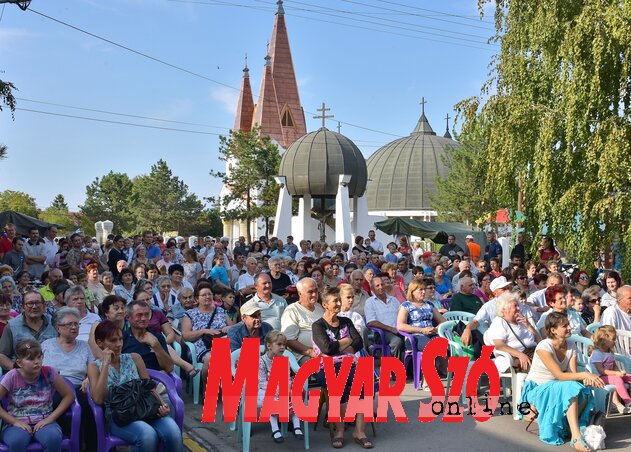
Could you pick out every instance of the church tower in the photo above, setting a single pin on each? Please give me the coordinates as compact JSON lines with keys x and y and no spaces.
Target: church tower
{"x":277,"y":111}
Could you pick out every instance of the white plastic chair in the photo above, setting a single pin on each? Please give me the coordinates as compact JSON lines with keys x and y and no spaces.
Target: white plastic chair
{"x":623,"y":345}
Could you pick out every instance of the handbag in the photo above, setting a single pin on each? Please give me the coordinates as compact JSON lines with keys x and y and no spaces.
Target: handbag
{"x":528,"y":351}
{"x":135,"y":400}
{"x":207,"y":339}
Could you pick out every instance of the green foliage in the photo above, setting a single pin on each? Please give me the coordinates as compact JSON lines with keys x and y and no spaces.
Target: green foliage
{"x":110,"y":198}
{"x":461,"y":195}
{"x":208,"y":222}
{"x":18,"y":201}
{"x":3,"y":152}
{"x":6,"y":96}
{"x":162,"y":201}
{"x":558,"y":106}
{"x":253,"y":162}
{"x":57,"y":212}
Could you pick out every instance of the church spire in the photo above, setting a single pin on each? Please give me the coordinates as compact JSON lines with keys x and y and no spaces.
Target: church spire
{"x":245,"y":106}
{"x":447,"y":134}
{"x":423,"y":126}
{"x":280,"y":10}
{"x":267,"y":111}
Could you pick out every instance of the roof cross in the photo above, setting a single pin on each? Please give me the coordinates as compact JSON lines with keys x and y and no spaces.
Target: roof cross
{"x":323,"y":116}
{"x":423,"y":102}
{"x":447,"y":118}
{"x":339,"y":127}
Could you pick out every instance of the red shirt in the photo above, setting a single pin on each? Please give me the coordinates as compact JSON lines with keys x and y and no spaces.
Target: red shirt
{"x":6,"y":245}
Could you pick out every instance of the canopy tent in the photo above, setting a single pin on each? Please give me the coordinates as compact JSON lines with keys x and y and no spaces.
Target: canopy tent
{"x":435,"y":231}
{"x":23,"y":222}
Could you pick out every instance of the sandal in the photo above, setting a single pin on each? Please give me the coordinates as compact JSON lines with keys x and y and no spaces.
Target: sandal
{"x":336,"y":442}
{"x":582,"y":443}
{"x":193,"y":372}
{"x":278,"y":439}
{"x":364,"y":442}
{"x":298,"y":433}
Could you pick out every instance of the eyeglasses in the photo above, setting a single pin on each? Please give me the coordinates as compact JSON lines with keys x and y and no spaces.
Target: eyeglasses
{"x":69,"y":324}
{"x":584,"y":278}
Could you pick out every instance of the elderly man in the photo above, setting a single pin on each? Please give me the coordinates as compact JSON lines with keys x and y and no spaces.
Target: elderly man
{"x":138,"y":339}
{"x":298,"y":317}
{"x":280,"y":250}
{"x":31,"y":324}
{"x":381,"y":312}
{"x":237,"y":269}
{"x":47,"y":291}
{"x":619,"y":315}
{"x":35,"y":252}
{"x":245,"y":283}
{"x":75,"y":298}
{"x":465,"y":300}
{"x":249,"y":326}
{"x":271,"y":305}
{"x":280,"y":280}
{"x":464,"y":265}
{"x":359,"y":294}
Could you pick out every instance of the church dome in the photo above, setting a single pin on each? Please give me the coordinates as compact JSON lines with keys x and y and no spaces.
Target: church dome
{"x":402,"y":174}
{"x":313,"y":163}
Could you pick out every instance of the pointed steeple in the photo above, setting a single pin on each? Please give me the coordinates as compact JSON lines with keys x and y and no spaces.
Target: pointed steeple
{"x":447,"y":134}
{"x":285,"y":80}
{"x":266,"y":111}
{"x":245,"y":106}
{"x":423,"y":126}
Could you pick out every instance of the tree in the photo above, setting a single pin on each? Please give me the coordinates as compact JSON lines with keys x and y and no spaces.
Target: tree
{"x":57,"y":212}
{"x":8,"y":100}
{"x":558,"y":105}
{"x":163,"y":202}
{"x":18,"y":201}
{"x":461,"y":195}
{"x":110,"y":198}
{"x":253,"y":161}
{"x":208,"y":222}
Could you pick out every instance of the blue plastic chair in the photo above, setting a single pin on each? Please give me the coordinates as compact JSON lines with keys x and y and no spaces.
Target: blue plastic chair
{"x":196,"y":383}
{"x":458,"y":315}
{"x":592,"y":327}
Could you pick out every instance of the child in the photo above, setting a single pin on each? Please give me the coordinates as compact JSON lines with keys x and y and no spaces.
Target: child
{"x":603,"y":360}
{"x":217,"y":296}
{"x":232,"y":312}
{"x":275,"y":343}
{"x":30,"y":388}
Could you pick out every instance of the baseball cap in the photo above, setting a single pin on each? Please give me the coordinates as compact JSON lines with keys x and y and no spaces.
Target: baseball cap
{"x":249,"y":308}
{"x":469,"y":236}
{"x":499,"y":283}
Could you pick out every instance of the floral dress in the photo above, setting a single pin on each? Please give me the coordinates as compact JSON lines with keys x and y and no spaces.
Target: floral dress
{"x":199,"y":321}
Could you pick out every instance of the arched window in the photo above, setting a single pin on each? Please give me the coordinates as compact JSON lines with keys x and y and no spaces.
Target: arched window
{"x":286,"y":119}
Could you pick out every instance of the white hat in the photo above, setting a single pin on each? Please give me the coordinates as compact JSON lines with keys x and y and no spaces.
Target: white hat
{"x":499,"y":283}
{"x":249,"y":308}
{"x":469,"y":237}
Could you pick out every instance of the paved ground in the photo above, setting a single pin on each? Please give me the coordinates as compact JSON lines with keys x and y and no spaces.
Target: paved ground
{"x":499,"y":433}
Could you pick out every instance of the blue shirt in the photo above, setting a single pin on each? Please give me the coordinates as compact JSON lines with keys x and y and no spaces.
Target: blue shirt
{"x":495,"y":249}
{"x":219,"y":273}
{"x":132,"y":345}
{"x":239,"y":332}
{"x":153,"y":252}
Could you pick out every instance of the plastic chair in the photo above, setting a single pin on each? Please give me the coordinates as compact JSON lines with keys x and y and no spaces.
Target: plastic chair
{"x":445,"y":330}
{"x":106,"y":441}
{"x":458,"y":315}
{"x":246,"y":427}
{"x":71,"y":443}
{"x":197,"y":379}
{"x":592,"y":327}
{"x":623,"y":344}
{"x":379,"y":341}
{"x":516,"y":378}
{"x":415,"y":355}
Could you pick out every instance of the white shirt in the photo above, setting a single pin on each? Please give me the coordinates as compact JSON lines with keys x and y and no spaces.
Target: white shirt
{"x":576,"y":321}
{"x":617,"y":318}
{"x":500,"y":330}
{"x":376,"y":245}
{"x":50,"y":250}
{"x":300,"y":255}
{"x":386,"y":313}
{"x":271,"y":312}
{"x":539,"y":373}
{"x":296,"y":323}
{"x":608,"y":300}
{"x":85,"y":325}
{"x":245,"y":280}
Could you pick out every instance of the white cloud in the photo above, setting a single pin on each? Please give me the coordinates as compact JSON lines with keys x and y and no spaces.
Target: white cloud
{"x":228,"y":97}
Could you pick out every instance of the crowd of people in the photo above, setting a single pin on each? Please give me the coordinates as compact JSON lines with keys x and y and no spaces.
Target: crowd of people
{"x":100,"y":316}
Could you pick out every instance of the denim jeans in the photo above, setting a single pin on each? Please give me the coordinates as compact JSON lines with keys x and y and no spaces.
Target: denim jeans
{"x":18,"y":440}
{"x":145,"y":436}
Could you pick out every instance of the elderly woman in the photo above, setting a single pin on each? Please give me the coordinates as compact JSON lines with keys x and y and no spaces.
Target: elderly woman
{"x":113,"y":309}
{"x":331,"y":279}
{"x":206,"y":318}
{"x":8,"y":287}
{"x":512,"y":333}
{"x":556,"y":390}
{"x":556,"y":298}
{"x":591,"y":305}
{"x":74,"y":297}
{"x":126,"y":287}
{"x":141,"y":257}
{"x":418,"y":317}
{"x":108,"y":288}
{"x":164,"y":298}
{"x":23,"y":280}
{"x":336,"y":337}
{"x":5,"y":310}
{"x":116,"y":368}
{"x":581,"y":280}
{"x":72,"y":356}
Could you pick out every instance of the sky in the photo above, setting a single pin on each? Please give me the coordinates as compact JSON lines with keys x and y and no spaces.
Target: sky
{"x":371,"y":61}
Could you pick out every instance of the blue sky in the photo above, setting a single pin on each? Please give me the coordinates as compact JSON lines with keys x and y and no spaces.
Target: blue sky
{"x":374,"y":79}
